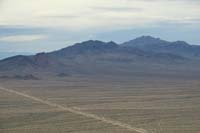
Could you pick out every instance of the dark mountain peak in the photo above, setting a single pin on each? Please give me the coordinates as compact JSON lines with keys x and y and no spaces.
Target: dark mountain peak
{"x":111,"y":43}
{"x":180,"y":43}
{"x":41,"y":58}
{"x":144,"y":41}
{"x":87,"y":46}
{"x":157,"y":45}
{"x":147,"y":38}
{"x":16,"y":62}
{"x":95,"y":43}
{"x":91,"y":42}
{"x":41,"y":54}
{"x":17,"y":58}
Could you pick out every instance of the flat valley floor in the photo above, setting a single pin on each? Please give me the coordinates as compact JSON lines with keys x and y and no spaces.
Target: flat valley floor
{"x":152,"y":104}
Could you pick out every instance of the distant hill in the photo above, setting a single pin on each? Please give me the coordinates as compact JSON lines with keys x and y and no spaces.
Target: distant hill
{"x":4,"y":55}
{"x":145,"y":54}
{"x":148,"y":43}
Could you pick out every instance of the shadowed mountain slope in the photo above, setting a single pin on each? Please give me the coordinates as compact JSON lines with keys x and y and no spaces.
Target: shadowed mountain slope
{"x":144,"y":54}
{"x":148,"y":43}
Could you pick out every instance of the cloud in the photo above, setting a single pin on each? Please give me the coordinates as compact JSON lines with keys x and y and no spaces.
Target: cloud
{"x":10,"y":30}
{"x":52,"y":24}
{"x":22,"y":38}
{"x":79,"y":15}
{"x":118,"y":9}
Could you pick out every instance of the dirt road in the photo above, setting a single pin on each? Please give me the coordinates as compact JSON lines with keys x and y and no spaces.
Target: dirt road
{"x":78,"y":111}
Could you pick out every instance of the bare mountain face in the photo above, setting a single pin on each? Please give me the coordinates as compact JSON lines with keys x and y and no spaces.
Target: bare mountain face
{"x":144,"y":55}
{"x":181,"y":48}
{"x":4,"y":55}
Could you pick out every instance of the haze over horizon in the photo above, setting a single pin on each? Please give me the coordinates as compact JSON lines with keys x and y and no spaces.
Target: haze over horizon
{"x":31,"y":26}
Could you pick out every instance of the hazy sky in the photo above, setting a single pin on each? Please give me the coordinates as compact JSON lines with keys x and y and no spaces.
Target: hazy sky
{"x":45,"y":25}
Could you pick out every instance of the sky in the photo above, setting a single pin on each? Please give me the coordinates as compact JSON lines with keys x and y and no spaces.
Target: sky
{"x":47,"y":25}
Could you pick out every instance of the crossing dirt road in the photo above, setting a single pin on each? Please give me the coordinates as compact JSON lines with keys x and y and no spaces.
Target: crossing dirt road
{"x":78,"y":111}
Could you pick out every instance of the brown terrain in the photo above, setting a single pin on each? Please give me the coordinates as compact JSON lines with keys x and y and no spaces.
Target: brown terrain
{"x":146,"y":85}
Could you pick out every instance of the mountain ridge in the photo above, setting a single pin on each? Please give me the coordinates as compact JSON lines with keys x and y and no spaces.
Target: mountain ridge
{"x":148,"y":43}
{"x":96,"y":57}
